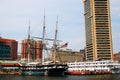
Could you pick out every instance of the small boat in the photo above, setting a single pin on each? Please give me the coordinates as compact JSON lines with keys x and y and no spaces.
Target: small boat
{"x":94,"y":67}
{"x":9,"y":67}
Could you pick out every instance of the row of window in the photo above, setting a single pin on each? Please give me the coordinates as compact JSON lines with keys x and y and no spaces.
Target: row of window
{"x":104,"y":52}
{"x":105,"y":42}
{"x":101,"y":24}
{"x":104,"y":55}
{"x":100,"y":3}
{"x":101,"y":18}
{"x":100,"y":0}
{"x":101,"y":11}
{"x":5,"y":55}
{"x":102,"y":35}
{"x":89,"y":58}
{"x":102,"y":30}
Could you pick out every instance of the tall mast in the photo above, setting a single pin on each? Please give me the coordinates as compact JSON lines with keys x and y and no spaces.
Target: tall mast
{"x":55,"y":41}
{"x":28,"y":45}
{"x":56,"y":31}
{"x":29,"y":30}
{"x":43,"y":38}
{"x":43,"y":35}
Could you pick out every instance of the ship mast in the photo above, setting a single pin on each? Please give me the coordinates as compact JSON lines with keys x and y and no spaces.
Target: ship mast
{"x":28,"y":45}
{"x":55,"y":41}
{"x":43,"y":39}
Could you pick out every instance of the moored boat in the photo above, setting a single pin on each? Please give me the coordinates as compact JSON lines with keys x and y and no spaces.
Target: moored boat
{"x":95,"y":67}
{"x":9,"y":67}
{"x":49,"y":68}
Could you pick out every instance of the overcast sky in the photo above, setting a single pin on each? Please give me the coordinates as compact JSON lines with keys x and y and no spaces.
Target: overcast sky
{"x":15,"y":16}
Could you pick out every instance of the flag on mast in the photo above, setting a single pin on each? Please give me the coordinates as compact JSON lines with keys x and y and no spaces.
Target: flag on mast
{"x":64,"y":45}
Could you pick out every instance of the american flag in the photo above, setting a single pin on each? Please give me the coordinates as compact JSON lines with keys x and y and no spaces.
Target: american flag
{"x":64,"y":45}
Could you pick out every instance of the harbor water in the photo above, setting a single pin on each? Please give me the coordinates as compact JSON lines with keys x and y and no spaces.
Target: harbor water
{"x":66,"y":77}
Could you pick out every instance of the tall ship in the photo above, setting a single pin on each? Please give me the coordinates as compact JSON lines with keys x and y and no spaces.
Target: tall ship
{"x":94,"y":67}
{"x":46,"y":69}
{"x":50,"y":68}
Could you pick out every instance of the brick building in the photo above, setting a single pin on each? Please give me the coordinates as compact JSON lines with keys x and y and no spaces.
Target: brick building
{"x":8,"y":49}
{"x":117,"y":57}
{"x":35,"y":49}
{"x":64,"y":56}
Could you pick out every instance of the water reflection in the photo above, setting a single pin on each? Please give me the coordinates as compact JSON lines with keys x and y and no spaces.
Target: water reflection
{"x":67,"y":77}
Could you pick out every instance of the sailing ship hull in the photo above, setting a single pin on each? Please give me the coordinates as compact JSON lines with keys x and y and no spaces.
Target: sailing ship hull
{"x":49,"y":70}
{"x":56,"y":72}
{"x":33,"y":72}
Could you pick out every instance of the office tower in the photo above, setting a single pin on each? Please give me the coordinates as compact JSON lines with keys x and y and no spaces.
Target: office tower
{"x":98,"y":30}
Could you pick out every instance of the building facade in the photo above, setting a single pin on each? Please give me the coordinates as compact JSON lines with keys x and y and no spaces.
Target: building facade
{"x":117,"y":57}
{"x":98,"y":30}
{"x":82,"y":51}
{"x":8,"y":49}
{"x":31,"y":47}
{"x":65,"y":56}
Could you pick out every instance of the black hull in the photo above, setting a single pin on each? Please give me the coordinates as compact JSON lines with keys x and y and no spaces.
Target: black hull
{"x":50,"y":70}
{"x":56,"y":72}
